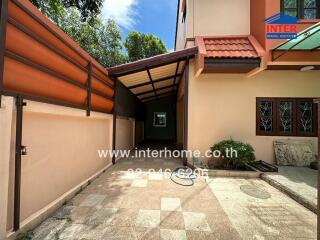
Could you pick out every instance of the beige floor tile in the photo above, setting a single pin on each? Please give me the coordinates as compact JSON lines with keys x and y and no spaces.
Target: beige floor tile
{"x":195,"y":204}
{"x":196,"y":235}
{"x":73,"y":230}
{"x":170,"y":204}
{"x":170,"y":234}
{"x":112,"y":202}
{"x":147,"y":233}
{"x":141,"y":201}
{"x":102,"y":216}
{"x":221,"y":226}
{"x":125,"y":217}
{"x":141,"y":183}
{"x":119,"y":233}
{"x":155,"y":176}
{"x":196,"y":221}
{"x":93,"y":200}
{"x":81,"y":214}
{"x":172,"y":220}
{"x":148,"y":218}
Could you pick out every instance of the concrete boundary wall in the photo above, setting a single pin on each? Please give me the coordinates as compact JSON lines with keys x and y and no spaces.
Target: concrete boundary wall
{"x":62,"y":157}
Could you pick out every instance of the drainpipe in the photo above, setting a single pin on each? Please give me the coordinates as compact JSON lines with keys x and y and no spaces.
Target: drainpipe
{"x":114,"y":121}
{"x":20,"y":150}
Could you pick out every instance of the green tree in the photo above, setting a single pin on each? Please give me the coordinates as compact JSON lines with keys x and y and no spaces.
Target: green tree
{"x":141,"y":45}
{"x":52,"y":8}
{"x":101,"y":40}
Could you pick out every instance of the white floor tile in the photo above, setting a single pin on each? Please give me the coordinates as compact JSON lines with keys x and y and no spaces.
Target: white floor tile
{"x":148,"y":218}
{"x":196,"y":221}
{"x":170,"y":204}
{"x":92,"y":200}
{"x":155,"y":176}
{"x":139,"y":183}
{"x":169,"y":234}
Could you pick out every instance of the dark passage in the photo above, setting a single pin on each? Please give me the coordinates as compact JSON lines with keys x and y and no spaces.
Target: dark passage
{"x":160,"y":120}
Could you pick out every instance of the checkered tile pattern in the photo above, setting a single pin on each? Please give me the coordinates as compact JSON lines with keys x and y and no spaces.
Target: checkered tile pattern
{"x":122,"y":204}
{"x":170,"y":215}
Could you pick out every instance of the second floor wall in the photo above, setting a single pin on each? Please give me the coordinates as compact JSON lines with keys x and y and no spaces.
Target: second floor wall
{"x":237,"y":17}
{"x":212,"y":18}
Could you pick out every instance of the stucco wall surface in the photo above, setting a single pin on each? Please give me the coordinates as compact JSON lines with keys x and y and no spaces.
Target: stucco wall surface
{"x":223,"y":106}
{"x":62,"y":152}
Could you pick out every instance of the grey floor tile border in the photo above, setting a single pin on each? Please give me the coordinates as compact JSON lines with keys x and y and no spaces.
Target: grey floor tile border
{"x":290,"y":193}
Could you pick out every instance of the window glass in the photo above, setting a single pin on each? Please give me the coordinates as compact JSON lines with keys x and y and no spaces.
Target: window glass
{"x":286,"y":116}
{"x":310,"y":13}
{"x":306,"y":116}
{"x":310,"y":3}
{"x":266,"y":116}
{"x":303,"y":9}
{"x":291,"y":12}
{"x":290,"y":3}
{"x":160,"y":119}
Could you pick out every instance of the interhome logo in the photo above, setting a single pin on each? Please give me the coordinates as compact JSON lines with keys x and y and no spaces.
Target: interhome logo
{"x":281,"y":26}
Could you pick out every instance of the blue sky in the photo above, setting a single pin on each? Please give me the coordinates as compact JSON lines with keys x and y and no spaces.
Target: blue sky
{"x":149,"y":16}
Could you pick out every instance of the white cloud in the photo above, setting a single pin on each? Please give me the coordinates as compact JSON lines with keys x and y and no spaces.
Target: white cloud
{"x":124,"y":12}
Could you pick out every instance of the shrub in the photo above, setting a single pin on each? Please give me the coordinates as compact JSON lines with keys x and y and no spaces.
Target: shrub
{"x":245,"y":153}
{"x":25,"y":235}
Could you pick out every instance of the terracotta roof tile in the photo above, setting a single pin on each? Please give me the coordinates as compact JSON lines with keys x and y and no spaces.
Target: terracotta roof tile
{"x":229,"y":47}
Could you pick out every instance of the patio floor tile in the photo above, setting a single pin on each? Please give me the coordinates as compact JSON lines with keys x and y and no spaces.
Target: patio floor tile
{"x":148,"y":218}
{"x":115,"y":206}
{"x":196,"y":221}
{"x":49,"y":229}
{"x":93,"y":200}
{"x":125,"y":217}
{"x":169,"y":234}
{"x":119,"y":233}
{"x":147,"y":233}
{"x":172,"y":220}
{"x":155,"y":176}
{"x":102,"y":216}
{"x":196,"y":235}
{"x":170,"y":204}
{"x":139,"y":183}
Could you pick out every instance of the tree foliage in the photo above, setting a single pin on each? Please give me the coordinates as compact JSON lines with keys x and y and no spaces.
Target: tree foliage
{"x":87,"y":8}
{"x":102,"y":40}
{"x":141,"y":45}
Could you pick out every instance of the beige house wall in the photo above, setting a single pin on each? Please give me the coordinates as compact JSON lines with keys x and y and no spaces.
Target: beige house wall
{"x":181,"y":30}
{"x":223,"y":106}
{"x":7,"y":129}
{"x":213,"y":18}
{"x":62,"y":145}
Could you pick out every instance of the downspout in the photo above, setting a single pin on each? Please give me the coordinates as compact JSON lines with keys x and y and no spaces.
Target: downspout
{"x":20,"y":150}
{"x":114,"y":131}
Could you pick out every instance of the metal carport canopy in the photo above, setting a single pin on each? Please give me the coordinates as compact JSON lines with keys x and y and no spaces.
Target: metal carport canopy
{"x":154,"y":77}
{"x":307,"y":40}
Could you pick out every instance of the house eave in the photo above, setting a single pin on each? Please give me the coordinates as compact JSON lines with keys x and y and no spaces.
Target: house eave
{"x":230,"y":65}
